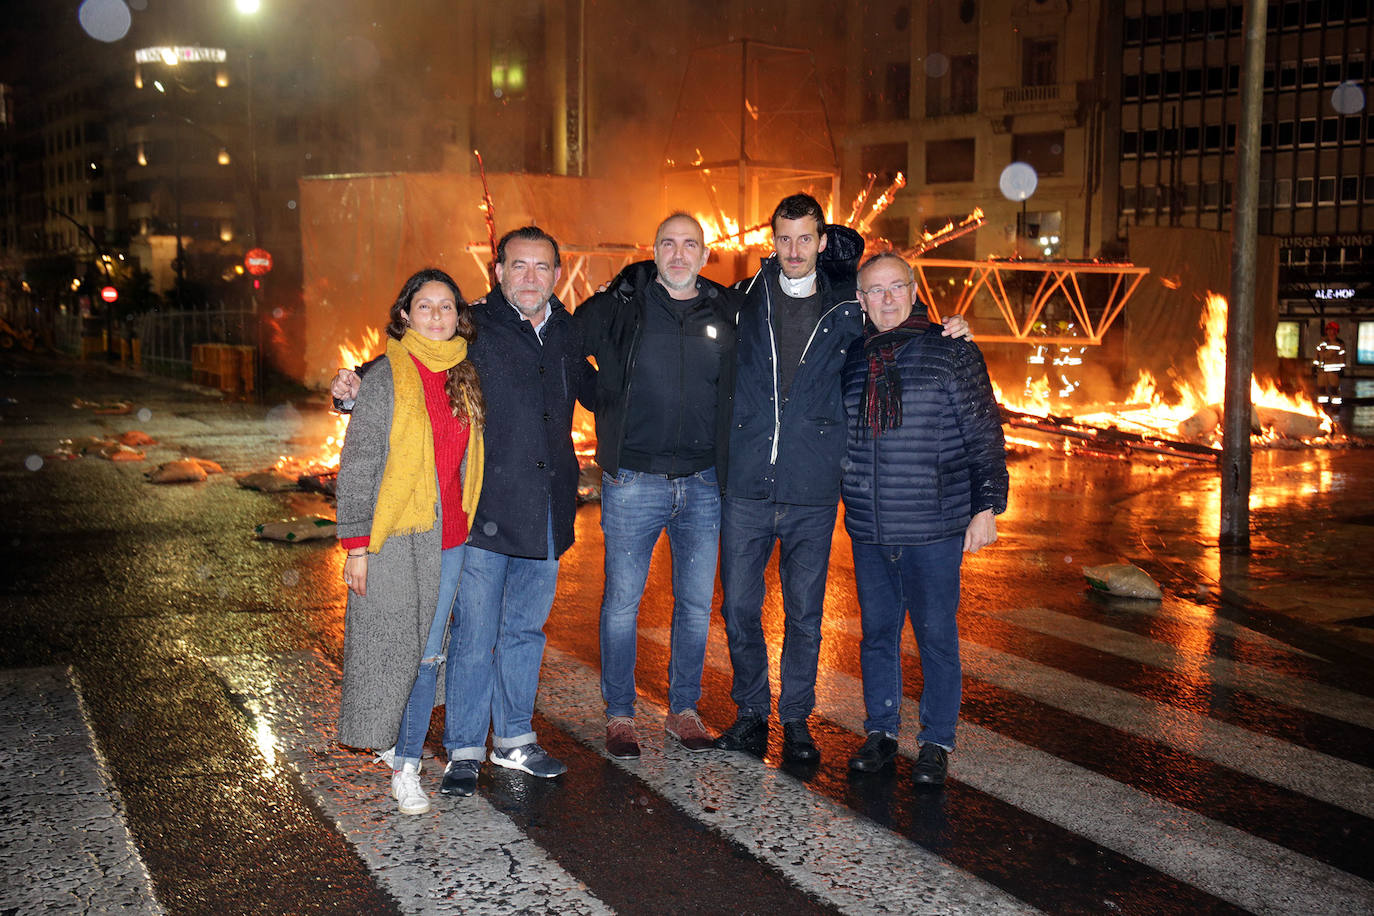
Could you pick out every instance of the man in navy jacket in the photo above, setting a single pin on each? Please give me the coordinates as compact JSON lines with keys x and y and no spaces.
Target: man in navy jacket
{"x":925,"y":476}
{"x":786,"y":445}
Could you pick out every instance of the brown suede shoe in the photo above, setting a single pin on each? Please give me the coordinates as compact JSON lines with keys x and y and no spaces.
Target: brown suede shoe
{"x":688,"y":729}
{"x":621,"y":740}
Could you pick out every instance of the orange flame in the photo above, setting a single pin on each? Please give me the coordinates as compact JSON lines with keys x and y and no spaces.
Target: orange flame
{"x":326,"y":457}
{"x":1196,"y":413}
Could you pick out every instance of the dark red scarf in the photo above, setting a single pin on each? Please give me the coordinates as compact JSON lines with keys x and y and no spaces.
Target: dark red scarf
{"x":881,"y":405}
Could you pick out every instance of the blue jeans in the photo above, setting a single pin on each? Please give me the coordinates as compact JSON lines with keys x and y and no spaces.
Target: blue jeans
{"x":635,"y":509}
{"x":748,"y":528}
{"x":922,"y":582}
{"x":410,"y":739}
{"x":495,"y":649}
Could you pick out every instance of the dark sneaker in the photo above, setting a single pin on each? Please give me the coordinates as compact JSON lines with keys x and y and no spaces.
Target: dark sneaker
{"x":797,"y":746}
{"x":529,"y":758}
{"x":621,"y":739}
{"x":689,"y":730}
{"x":749,"y":734}
{"x":460,"y":777}
{"x":877,"y":752}
{"x":932,"y":762}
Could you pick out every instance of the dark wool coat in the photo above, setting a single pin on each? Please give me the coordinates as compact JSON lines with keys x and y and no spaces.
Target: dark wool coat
{"x":384,"y":633}
{"x":791,"y":452}
{"x":925,"y":480}
{"x":530,"y":390}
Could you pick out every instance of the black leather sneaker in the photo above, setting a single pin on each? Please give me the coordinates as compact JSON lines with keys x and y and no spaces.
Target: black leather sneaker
{"x":749,"y":734}
{"x":460,"y":777}
{"x":797,"y":746}
{"x":877,"y":751}
{"x":932,"y":763}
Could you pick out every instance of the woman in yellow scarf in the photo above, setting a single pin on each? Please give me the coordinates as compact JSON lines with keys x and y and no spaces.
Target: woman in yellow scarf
{"x":409,"y":479}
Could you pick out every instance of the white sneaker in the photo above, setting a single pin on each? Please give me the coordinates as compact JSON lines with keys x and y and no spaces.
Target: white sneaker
{"x":388,"y":757}
{"x":405,"y":788}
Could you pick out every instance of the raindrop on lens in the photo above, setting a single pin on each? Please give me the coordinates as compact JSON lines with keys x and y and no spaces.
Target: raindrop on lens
{"x":937,"y":65}
{"x":1068,"y":559}
{"x":290,"y":578}
{"x":33,"y":462}
{"x":203,"y":571}
{"x":105,"y":20}
{"x":277,"y":313}
{"x":1347,"y":98}
{"x":144,"y":415}
{"x":489,"y":529}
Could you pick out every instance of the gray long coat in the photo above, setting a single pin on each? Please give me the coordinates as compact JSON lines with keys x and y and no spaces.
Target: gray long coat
{"x":384,"y":633}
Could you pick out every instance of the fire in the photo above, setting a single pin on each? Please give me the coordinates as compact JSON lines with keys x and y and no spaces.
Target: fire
{"x":326,"y":458}
{"x":723,"y":234}
{"x":1195,"y":413}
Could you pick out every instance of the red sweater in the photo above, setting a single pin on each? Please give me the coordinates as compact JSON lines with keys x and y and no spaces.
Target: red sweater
{"x":450,"y":443}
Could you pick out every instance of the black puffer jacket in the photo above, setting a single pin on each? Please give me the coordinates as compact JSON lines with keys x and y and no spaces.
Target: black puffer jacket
{"x":612,"y":326}
{"x":925,"y":480}
{"x":790,"y":452}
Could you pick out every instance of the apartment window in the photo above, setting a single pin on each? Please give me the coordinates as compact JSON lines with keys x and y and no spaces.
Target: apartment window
{"x":963,"y":83}
{"x":1149,"y":142}
{"x":1149,"y":198}
{"x":1211,"y":137}
{"x":1331,"y":68}
{"x":1197,"y":22}
{"x":1269,"y":78}
{"x":1216,"y":20}
{"x":1287,"y":131}
{"x":1283,"y":192}
{"x":1350,"y":189}
{"x":897,"y":94}
{"x":1130,"y":143}
{"x":1352,"y":130}
{"x":1130,"y":86}
{"x":1292,"y":15}
{"x":1128,"y":199}
{"x":1192,"y":81}
{"x":1039,"y":61}
{"x":1354,"y":69}
{"x":1288,"y":75}
{"x":884,"y":160}
{"x":1134,"y":30}
{"x":1304,"y":195}
{"x":1307,"y":132}
{"x":1369,"y":189}
{"x":1230,"y":136}
{"x":1152,"y":85}
{"x":1192,"y":139}
{"x":949,"y":160}
{"x":1326,"y":191}
{"x":1266,"y":135}
{"x":1169,"y":140}
{"x":1311,"y":73}
{"x":1173,"y":83}
{"x":1331,"y":130}
{"x":1211,"y":195}
{"x":1173,"y":25}
{"x":1264,"y":193}
{"x":1044,"y":151}
{"x":1154,"y":28}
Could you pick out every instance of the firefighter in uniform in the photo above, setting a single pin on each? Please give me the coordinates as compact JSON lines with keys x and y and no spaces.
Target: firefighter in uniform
{"x":1329,"y":365}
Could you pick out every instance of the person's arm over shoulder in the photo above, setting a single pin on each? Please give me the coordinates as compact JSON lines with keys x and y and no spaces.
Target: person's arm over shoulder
{"x":980,"y":423}
{"x":345,"y":404}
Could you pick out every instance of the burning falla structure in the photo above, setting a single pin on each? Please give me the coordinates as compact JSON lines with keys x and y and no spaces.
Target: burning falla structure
{"x":1100,"y":355}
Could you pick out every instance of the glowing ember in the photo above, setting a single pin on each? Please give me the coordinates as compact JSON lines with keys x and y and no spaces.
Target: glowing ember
{"x":723,"y":234}
{"x":882,"y":203}
{"x":1195,"y":413}
{"x":326,"y":458}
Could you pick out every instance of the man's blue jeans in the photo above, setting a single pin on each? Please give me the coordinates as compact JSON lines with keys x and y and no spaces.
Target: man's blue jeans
{"x":635,"y":509}
{"x":410,"y":739}
{"x":495,"y":649}
{"x":748,"y":529}
{"x":922,"y":582}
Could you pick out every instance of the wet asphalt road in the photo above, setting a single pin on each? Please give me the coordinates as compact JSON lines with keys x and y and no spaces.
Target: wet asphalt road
{"x":167,"y":675}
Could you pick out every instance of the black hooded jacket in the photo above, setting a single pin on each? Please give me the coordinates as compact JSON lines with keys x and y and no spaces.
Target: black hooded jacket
{"x":789,"y":449}
{"x":693,"y":359}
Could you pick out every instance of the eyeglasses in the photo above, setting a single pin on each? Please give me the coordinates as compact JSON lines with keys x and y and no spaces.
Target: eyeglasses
{"x":895,"y":290}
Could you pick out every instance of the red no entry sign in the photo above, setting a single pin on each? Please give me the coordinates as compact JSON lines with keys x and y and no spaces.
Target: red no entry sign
{"x":258,"y":261}
{"x":109,"y":293}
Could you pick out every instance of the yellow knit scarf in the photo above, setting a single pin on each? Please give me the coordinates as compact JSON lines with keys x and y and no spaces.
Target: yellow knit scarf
{"x":409,"y":488}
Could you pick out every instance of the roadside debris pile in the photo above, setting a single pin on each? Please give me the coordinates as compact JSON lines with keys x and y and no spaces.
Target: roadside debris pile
{"x":1124,"y":580}
{"x":124,"y":447}
{"x":184,"y":470}
{"x":103,"y":408}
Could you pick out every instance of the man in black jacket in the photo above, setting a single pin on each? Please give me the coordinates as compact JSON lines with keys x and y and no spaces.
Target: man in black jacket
{"x":528,"y":355}
{"x":925,"y":475}
{"x":799,"y":314}
{"x":663,"y":339}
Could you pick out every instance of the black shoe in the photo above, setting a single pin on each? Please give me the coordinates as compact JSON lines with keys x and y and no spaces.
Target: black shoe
{"x":876,"y":753}
{"x":460,"y":777}
{"x":797,"y":746}
{"x":932,"y":762}
{"x":749,"y":733}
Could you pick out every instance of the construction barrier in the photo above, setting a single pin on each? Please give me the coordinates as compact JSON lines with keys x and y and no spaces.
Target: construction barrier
{"x":232,"y":368}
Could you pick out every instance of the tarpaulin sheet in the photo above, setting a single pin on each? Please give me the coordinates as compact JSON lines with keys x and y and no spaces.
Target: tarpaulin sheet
{"x":363,"y":235}
{"x":1163,"y":317}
